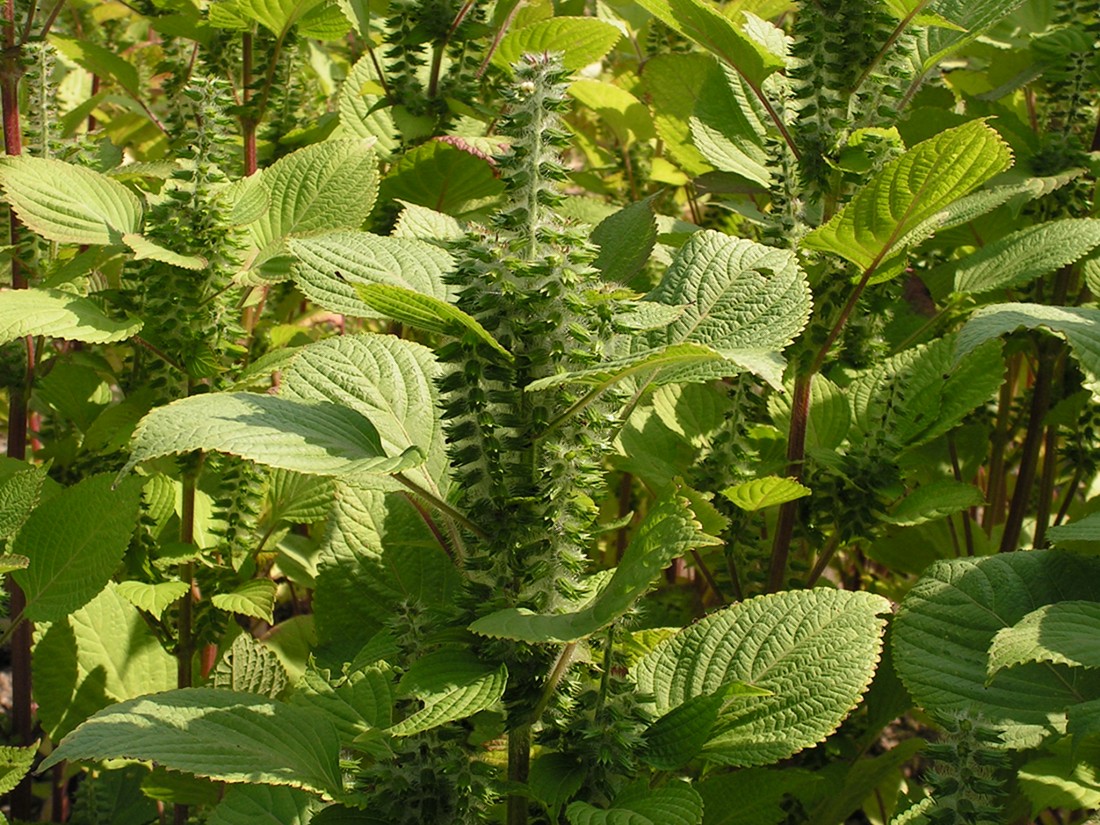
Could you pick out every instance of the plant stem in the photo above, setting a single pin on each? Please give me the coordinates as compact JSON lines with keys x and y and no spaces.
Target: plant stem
{"x":796,"y":451}
{"x":248,"y":120}
{"x":995,"y":488}
{"x":1046,"y":485}
{"x":185,"y":648}
{"x":519,"y":766}
{"x":701,"y":566}
{"x":826,"y":556}
{"x":968,"y":529}
{"x":440,"y":505}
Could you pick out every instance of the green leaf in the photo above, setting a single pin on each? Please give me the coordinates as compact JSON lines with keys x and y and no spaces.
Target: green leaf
{"x":452,"y":684}
{"x":760,"y":794}
{"x":15,"y":763}
{"x":678,"y":736}
{"x":319,"y":188}
{"x":861,"y":782}
{"x":100,"y":654}
{"x":426,"y":312}
{"x":742,"y":298}
{"x":424,"y":224}
{"x":581,"y":40}
{"x":621,"y":111}
{"x":767,"y":491}
{"x":1064,"y":633}
{"x":357,"y":702}
{"x":231,"y":737}
{"x":789,"y":644}
{"x":676,"y":803}
{"x":74,"y":541}
{"x":360,"y":114}
{"x":100,"y":61}
{"x":145,"y":249}
{"x":8,"y":563}
{"x":873,"y":228}
{"x":389,"y":381}
{"x":717,"y":33}
{"x":1026,"y":254}
{"x":934,"y":500}
{"x":608,"y":372}
{"x":830,"y":416}
{"x":67,"y":203}
{"x":674,"y":83}
{"x":971,"y":17}
{"x":293,"y":498}
{"x":264,"y":805}
{"x":555,"y":778}
{"x":1084,"y":529}
{"x":946,"y":625}
{"x":331,"y":265}
{"x":57,"y":314}
{"x":668,"y":531}
{"x":152,"y":598}
{"x":19,"y":495}
{"x":1079,"y":327}
{"x":1069,"y":778}
{"x":314,"y":18}
{"x":249,"y":667}
{"x":313,"y":438}
{"x":695,"y":412}
{"x":255,"y":598}
{"x":728,"y":129}
{"x":626,"y":240}
{"x":443,"y":177}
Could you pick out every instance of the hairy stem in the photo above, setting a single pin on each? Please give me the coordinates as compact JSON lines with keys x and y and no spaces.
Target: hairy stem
{"x":956,"y":469}
{"x":995,"y":488}
{"x":519,"y":766}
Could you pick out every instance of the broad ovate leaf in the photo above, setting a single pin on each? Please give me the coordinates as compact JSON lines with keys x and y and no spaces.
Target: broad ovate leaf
{"x":1078,"y":326}
{"x":254,"y":598}
{"x":75,"y":541}
{"x":669,"y":530}
{"x":676,"y":803}
{"x":934,"y":500}
{"x":452,"y":684}
{"x":718,"y":34}
{"x":153,"y":598}
{"x":319,"y":188}
{"x":220,"y":734}
{"x":788,"y":644}
{"x":100,"y":654}
{"x":1026,"y":254}
{"x":443,"y":177}
{"x":946,"y":625}
{"x":264,"y":805}
{"x":874,"y":227}
{"x":315,"y":438}
{"x":742,"y":299}
{"x":360,"y":114}
{"x":57,"y":314}
{"x":331,"y":265}
{"x":15,"y":763}
{"x":1064,"y":632}
{"x":581,"y":40}
{"x":768,"y":491}
{"x":1082,"y":530}
{"x":249,"y":666}
{"x":67,"y":203}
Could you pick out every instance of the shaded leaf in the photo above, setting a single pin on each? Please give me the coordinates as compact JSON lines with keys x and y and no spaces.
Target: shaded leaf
{"x":444,"y":178}
{"x":264,"y":805}
{"x":934,"y":500}
{"x":1064,"y":633}
{"x":676,"y":803}
{"x":249,"y":667}
{"x":452,"y":684}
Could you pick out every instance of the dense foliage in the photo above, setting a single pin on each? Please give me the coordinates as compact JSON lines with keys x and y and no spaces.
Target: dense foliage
{"x":551,"y":412}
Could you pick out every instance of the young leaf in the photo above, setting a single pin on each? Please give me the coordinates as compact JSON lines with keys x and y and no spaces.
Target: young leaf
{"x":581,"y":40}
{"x":145,"y":249}
{"x":314,"y":18}
{"x":74,"y":541}
{"x":1030,"y":253}
{"x":873,"y":228}
{"x":100,"y":654}
{"x":1065,"y":633}
{"x":668,"y":531}
{"x":426,"y":313}
{"x":231,"y":737}
{"x":609,"y":372}
{"x":1079,"y":327}
{"x":728,"y":128}
{"x":948,"y":621}
{"x":264,"y":805}
{"x":330,"y":266}
{"x":67,"y":203}
{"x":676,"y":803}
{"x":312,"y":438}
{"x":19,"y":495}
{"x":15,"y":763}
{"x":788,"y":644}
{"x":452,"y":684}
{"x":424,"y":224}
{"x":255,"y":598}
{"x":57,"y":314}
{"x":154,"y":599}
{"x":357,"y":703}
{"x":250,"y":667}
{"x":717,"y":33}
{"x":767,"y":491}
